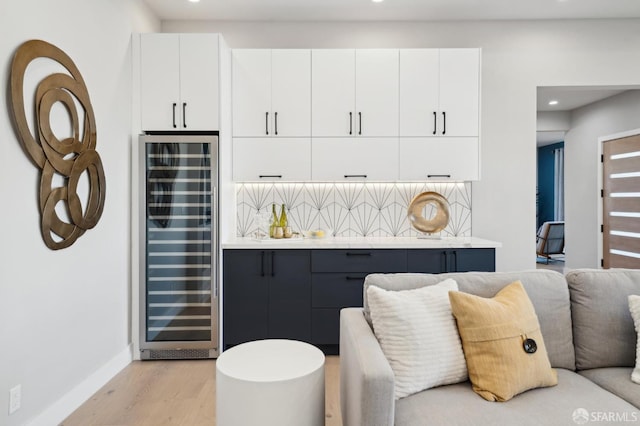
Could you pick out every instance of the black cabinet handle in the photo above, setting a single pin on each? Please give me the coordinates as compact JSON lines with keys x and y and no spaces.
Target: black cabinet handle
{"x":360,"y":128}
{"x":435,"y":121}
{"x":276,"y":125}
{"x":367,"y":254}
{"x":266,"y":123}
{"x":174,"y":115}
{"x":444,"y":122}
{"x":262,"y":264}
{"x":437,"y":176}
{"x":270,"y":176}
{"x":354,"y":278}
{"x":350,"y":123}
{"x":446,"y":263}
{"x":184,"y":115}
{"x":455,"y":260}
{"x":355,"y":176}
{"x":273,"y":266}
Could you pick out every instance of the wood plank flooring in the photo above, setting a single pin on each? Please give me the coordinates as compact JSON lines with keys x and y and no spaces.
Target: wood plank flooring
{"x":174,"y":393}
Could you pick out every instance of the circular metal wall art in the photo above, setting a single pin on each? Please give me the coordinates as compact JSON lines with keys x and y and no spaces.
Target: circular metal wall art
{"x":71,"y":157}
{"x":415,"y":212}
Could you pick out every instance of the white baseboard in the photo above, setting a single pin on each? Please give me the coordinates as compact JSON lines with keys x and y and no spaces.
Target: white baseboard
{"x":69,"y":402}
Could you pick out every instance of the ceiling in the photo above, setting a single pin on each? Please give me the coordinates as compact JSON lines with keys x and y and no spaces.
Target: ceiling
{"x":391,"y":10}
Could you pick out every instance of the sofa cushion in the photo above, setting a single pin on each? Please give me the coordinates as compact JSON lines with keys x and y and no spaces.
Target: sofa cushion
{"x":616,"y":380}
{"x":418,"y":336}
{"x":634,"y":308}
{"x":602,"y":325}
{"x":502,"y":343}
{"x":547,"y":290}
{"x":543,"y":406}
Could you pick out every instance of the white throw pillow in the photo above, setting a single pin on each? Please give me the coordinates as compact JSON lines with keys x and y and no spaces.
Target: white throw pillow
{"x":634,"y":307}
{"x":418,"y":335}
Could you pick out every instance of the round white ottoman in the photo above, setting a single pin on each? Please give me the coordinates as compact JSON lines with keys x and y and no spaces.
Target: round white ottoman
{"x":270,"y":383}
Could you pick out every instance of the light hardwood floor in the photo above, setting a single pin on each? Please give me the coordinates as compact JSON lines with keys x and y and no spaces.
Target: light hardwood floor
{"x":155,"y":393}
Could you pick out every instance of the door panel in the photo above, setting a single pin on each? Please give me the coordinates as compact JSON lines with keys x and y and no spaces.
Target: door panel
{"x":459,"y":92}
{"x":377,"y":80}
{"x":419,"y":91}
{"x":291,"y":92}
{"x":333,"y":92}
{"x":621,"y":203}
{"x":251,"y":85}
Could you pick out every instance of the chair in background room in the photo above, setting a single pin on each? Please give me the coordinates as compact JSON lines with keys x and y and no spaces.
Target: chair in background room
{"x":550,"y":239}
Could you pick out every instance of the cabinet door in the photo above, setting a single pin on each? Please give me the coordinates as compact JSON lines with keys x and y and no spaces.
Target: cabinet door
{"x":340,"y":159}
{"x":159,"y":78}
{"x":439,"y":159}
{"x":377,"y":92}
{"x":246,"y":295}
{"x":476,"y":259}
{"x":460,"y":91}
{"x":251,"y":86}
{"x":290,"y":295}
{"x":333,"y":92}
{"x":429,"y":261}
{"x":271,"y":159}
{"x":291,"y":92}
{"x":199,"y":93}
{"x":419,"y":91}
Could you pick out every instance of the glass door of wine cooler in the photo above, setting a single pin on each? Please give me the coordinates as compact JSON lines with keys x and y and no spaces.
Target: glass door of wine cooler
{"x":178,"y":298}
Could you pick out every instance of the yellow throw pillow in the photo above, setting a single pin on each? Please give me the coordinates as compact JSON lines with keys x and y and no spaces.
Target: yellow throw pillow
{"x":502,"y":343}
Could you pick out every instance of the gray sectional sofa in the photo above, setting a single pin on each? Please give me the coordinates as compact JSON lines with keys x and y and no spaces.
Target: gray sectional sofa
{"x":589,"y":335}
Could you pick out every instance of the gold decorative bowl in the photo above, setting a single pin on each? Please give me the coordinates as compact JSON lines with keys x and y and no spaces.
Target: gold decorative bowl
{"x":416,"y":208}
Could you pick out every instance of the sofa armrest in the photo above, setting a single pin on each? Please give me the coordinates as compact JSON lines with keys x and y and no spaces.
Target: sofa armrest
{"x":366,"y":378}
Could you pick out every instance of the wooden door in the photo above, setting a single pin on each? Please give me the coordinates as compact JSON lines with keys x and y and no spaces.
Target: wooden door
{"x":621,"y":203}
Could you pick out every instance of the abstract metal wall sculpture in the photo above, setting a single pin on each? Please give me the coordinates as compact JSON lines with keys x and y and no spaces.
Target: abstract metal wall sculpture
{"x":70,"y":157}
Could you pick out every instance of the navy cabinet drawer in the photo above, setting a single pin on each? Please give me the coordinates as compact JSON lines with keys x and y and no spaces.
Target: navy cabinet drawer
{"x":336,"y":290}
{"x":325,"y":329}
{"x":359,"y":260}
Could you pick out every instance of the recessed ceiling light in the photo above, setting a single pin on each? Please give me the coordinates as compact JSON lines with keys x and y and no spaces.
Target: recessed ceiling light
{"x":553,"y":102}
{"x":377,"y":1}
{"x":194,"y":1}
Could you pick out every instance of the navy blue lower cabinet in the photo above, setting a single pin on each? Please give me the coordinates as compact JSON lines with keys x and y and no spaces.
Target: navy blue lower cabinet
{"x":298,"y":294}
{"x":266,"y":294}
{"x":436,"y":261}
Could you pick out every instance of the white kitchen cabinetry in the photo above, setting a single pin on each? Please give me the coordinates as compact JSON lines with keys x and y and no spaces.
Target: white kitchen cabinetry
{"x":439,"y":159}
{"x":271,"y":92}
{"x":354,"y":159}
{"x":270,"y":159}
{"x":179,"y":82}
{"x":355,"y":92}
{"x":439,"y":92}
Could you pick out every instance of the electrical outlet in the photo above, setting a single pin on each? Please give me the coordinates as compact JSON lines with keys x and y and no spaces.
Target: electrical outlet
{"x":15,"y":395}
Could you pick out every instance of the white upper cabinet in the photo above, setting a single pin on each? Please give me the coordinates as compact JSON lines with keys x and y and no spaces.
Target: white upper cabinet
{"x":179,"y":82}
{"x":269,"y":159}
{"x":355,"y":92}
{"x":354,"y":159}
{"x":439,"y":92}
{"x":440,"y":159}
{"x":271,"y":92}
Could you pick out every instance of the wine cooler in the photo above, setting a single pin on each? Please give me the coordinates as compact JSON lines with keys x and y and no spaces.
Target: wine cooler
{"x":179,"y":246}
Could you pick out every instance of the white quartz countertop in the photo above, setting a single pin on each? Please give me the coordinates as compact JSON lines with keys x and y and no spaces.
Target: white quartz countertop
{"x":360,"y":243}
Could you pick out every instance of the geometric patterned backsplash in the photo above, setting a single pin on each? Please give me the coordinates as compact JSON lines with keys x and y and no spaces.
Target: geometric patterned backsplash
{"x":351,"y":209}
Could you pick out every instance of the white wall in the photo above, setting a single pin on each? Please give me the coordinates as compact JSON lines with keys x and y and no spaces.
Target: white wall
{"x":64,"y":315}
{"x":616,"y":114}
{"x":517,"y":58}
